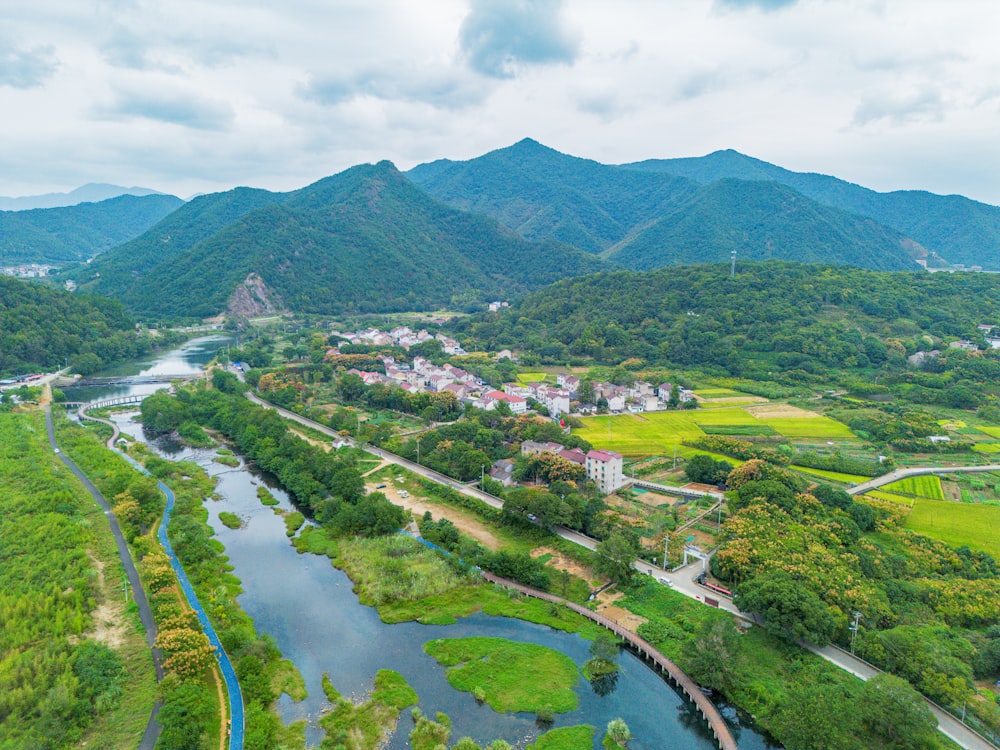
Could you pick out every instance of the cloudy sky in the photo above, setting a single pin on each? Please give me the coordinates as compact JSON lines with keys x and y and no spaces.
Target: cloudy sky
{"x":194,"y":96}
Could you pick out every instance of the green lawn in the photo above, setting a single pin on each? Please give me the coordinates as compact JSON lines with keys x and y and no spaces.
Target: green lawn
{"x":977,"y":526}
{"x":656,"y":433}
{"x":928,"y":486}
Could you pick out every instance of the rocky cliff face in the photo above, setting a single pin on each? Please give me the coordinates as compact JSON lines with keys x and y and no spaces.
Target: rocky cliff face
{"x":253,"y":298}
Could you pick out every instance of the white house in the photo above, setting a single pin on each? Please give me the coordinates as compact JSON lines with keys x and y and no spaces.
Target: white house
{"x":605,"y":469}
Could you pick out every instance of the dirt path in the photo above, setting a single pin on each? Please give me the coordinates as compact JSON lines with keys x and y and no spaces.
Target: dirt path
{"x":607,"y":607}
{"x":467,"y":523}
{"x":109,"y":616}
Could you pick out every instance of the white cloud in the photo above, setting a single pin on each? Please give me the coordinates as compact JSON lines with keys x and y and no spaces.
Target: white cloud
{"x":200,"y":95}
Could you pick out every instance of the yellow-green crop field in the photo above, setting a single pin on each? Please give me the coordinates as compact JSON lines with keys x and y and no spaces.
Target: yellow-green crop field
{"x":898,"y":499}
{"x":834,"y":475}
{"x":718,"y":393}
{"x":530,"y":377}
{"x":989,"y":430}
{"x":971,"y":524}
{"x":656,"y":433}
{"x":928,"y":486}
{"x":986,"y":447}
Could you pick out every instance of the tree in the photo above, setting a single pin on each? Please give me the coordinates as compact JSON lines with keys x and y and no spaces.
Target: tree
{"x":717,"y":660}
{"x":705,"y":469}
{"x":791,"y":611}
{"x":618,"y":732}
{"x":895,"y":715}
{"x":615,"y":555}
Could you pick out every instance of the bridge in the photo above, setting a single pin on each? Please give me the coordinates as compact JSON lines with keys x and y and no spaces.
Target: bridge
{"x":716,"y":724}
{"x":681,"y":491}
{"x":135,"y":380}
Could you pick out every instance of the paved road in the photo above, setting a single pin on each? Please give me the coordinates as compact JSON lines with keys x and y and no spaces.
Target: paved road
{"x":683,"y":580}
{"x":153,"y":727}
{"x":896,"y":474}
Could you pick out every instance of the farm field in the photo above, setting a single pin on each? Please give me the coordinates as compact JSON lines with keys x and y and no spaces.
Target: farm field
{"x":976,"y":526}
{"x":990,"y":430}
{"x":656,"y":433}
{"x":898,"y":499}
{"x":924,"y":486}
{"x":531,"y":377}
{"x":836,"y":476}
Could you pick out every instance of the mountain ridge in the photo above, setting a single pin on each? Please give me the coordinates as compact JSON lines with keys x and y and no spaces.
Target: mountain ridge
{"x":364,"y":240}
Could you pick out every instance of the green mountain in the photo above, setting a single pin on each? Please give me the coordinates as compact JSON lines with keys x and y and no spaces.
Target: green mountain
{"x":957,"y":228}
{"x":642,"y":222}
{"x":42,"y":328}
{"x":76,"y":233}
{"x":190,"y":224}
{"x":543,"y":194}
{"x":762,"y":221}
{"x":365,"y":240}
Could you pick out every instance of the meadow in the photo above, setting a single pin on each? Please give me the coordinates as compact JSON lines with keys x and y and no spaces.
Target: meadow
{"x":656,"y":433}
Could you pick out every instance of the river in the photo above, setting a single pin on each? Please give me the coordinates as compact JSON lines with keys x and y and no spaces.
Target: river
{"x":310,"y":609}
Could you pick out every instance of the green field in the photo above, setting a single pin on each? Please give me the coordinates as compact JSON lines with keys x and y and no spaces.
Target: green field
{"x":834,"y":475}
{"x":975,"y":526}
{"x":928,"y":486}
{"x":990,"y":430}
{"x":531,"y":377}
{"x":986,"y":447}
{"x":718,"y":393}
{"x":898,"y":499}
{"x":656,"y":433}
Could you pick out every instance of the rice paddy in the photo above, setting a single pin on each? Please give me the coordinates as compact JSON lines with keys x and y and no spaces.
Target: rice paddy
{"x":656,"y":433}
{"x":928,"y":486}
{"x":836,"y":476}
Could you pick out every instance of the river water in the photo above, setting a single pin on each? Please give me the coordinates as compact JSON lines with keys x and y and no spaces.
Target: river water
{"x":310,"y":609}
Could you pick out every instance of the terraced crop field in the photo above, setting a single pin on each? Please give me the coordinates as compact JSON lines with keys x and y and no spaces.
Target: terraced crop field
{"x":989,"y":430}
{"x":928,"y":486}
{"x":898,"y":499}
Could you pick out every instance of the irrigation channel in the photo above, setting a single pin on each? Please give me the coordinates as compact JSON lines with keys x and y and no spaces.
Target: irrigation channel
{"x":309,"y":607}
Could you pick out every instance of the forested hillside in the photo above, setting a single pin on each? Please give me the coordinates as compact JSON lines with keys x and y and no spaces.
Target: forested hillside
{"x":762,"y":221}
{"x":183,"y":229}
{"x":959,"y":229}
{"x":643,"y":218}
{"x":773,"y":319}
{"x":365,"y":240}
{"x":75,"y":233}
{"x":43,"y":328}
{"x":543,"y":194}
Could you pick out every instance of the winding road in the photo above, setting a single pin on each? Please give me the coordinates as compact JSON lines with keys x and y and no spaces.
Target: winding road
{"x":153,"y":728}
{"x":683,"y":580}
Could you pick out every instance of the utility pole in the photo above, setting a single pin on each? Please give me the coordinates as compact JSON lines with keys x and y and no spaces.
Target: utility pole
{"x":732,"y":268}
{"x":418,"y":451}
{"x":666,"y":543}
{"x":853,"y":627}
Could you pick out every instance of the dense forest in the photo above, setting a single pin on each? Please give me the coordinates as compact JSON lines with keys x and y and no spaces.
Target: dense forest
{"x":648,"y":219}
{"x":364,"y":240}
{"x":76,"y":233}
{"x":773,"y":321}
{"x":955,"y":227}
{"x":45,"y":329}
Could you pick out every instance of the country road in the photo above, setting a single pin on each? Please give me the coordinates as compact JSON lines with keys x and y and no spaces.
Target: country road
{"x":683,"y":580}
{"x":896,"y":474}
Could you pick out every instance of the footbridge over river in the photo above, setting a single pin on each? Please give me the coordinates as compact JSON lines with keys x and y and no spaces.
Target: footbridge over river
{"x":126,"y":380}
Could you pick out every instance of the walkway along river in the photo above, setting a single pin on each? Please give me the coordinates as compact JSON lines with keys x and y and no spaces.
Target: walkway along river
{"x":235,"y":696}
